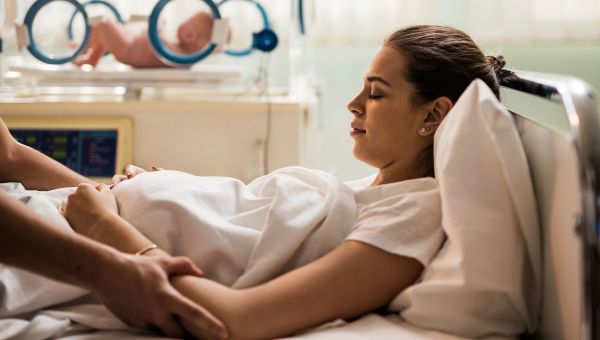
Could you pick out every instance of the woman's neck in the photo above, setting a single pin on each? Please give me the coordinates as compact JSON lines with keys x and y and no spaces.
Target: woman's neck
{"x":402,"y":171}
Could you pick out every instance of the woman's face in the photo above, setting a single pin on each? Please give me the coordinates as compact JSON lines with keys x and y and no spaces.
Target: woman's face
{"x":386,"y":121}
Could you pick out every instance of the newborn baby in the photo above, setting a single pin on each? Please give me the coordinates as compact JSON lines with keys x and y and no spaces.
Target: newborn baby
{"x":135,"y":50}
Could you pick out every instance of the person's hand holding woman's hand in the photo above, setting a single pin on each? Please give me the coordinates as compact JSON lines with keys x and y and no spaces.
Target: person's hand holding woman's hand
{"x":130,"y":172}
{"x":88,"y":206}
{"x":142,"y":296}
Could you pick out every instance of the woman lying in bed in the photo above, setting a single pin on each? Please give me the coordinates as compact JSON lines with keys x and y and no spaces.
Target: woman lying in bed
{"x":413,"y":81}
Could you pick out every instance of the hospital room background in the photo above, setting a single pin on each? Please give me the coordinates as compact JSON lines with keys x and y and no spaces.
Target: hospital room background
{"x":242,"y":116}
{"x":269,"y":89}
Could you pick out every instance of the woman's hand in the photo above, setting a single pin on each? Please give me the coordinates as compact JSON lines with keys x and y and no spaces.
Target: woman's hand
{"x":130,"y":172}
{"x":87,"y":206}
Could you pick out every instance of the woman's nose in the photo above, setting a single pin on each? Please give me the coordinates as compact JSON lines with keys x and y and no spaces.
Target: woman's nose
{"x":355,"y":108}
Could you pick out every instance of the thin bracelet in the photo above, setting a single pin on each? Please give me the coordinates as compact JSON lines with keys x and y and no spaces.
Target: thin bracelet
{"x":146,"y":249}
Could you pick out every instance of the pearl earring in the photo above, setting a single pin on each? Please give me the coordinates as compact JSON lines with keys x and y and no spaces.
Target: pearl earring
{"x":423,"y":130}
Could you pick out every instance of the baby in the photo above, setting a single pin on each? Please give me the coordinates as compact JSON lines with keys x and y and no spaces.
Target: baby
{"x":135,"y":50}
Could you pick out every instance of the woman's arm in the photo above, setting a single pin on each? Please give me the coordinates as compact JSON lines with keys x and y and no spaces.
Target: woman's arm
{"x":352,"y":280}
{"x":20,"y":163}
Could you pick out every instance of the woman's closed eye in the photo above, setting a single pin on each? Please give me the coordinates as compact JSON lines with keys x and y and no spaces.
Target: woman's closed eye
{"x":375,"y":96}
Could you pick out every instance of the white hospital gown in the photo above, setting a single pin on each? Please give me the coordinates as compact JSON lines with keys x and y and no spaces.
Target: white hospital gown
{"x":402,"y":218}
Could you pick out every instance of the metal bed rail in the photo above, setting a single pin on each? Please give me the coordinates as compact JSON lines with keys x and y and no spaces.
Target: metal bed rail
{"x":579,"y":101}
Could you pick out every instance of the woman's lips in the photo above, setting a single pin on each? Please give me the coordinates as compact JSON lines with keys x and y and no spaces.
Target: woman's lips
{"x":357,"y":131}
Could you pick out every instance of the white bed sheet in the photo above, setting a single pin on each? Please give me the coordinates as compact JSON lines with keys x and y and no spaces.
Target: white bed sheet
{"x":81,"y":322}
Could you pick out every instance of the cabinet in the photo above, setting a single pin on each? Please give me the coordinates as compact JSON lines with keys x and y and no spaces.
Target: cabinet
{"x":200,"y":133}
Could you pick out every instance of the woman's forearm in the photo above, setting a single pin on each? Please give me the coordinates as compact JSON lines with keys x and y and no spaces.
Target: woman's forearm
{"x":351,"y":281}
{"x":225,"y":303}
{"x":247,"y":313}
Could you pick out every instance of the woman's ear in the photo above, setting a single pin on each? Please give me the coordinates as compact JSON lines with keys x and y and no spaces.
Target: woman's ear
{"x":438,"y":109}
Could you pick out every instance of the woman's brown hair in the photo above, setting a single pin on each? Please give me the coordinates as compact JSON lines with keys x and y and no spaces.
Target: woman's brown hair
{"x":443,"y":61}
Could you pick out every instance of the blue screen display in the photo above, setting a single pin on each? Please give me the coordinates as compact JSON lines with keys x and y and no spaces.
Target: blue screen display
{"x":92,"y":153}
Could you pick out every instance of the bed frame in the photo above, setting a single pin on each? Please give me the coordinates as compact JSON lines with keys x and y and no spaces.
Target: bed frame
{"x":565,"y":169}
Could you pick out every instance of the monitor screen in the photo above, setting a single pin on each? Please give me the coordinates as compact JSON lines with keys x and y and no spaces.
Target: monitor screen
{"x":92,"y":153}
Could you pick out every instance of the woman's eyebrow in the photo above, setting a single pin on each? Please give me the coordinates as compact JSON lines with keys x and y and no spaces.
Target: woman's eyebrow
{"x":378,"y":79}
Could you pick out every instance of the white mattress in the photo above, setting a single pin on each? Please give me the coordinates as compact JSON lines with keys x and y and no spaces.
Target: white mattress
{"x":115,"y":75}
{"x":373,"y":326}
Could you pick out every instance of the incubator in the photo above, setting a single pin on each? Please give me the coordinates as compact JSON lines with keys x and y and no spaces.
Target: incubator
{"x":210,"y":110}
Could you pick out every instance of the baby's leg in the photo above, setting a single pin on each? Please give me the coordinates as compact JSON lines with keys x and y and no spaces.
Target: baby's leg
{"x":106,"y":36}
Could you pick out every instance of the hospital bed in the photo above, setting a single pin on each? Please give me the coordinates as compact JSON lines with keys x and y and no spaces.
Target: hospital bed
{"x":564,"y":165}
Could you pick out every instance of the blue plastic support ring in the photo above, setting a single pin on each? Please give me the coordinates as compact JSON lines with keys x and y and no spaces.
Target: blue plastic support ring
{"x":264,"y":40}
{"x":94,"y":2}
{"x":164,"y":53}
{"x":29,"y":20}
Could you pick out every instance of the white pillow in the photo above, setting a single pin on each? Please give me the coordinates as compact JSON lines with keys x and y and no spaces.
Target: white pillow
{"x":486,"y":278}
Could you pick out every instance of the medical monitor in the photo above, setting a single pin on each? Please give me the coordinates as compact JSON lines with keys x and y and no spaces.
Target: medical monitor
{"x":93,"y":146}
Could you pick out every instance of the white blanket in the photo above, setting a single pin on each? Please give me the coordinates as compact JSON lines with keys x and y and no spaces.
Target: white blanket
{"x":240,"y":235}
{"x":22,"y":291}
